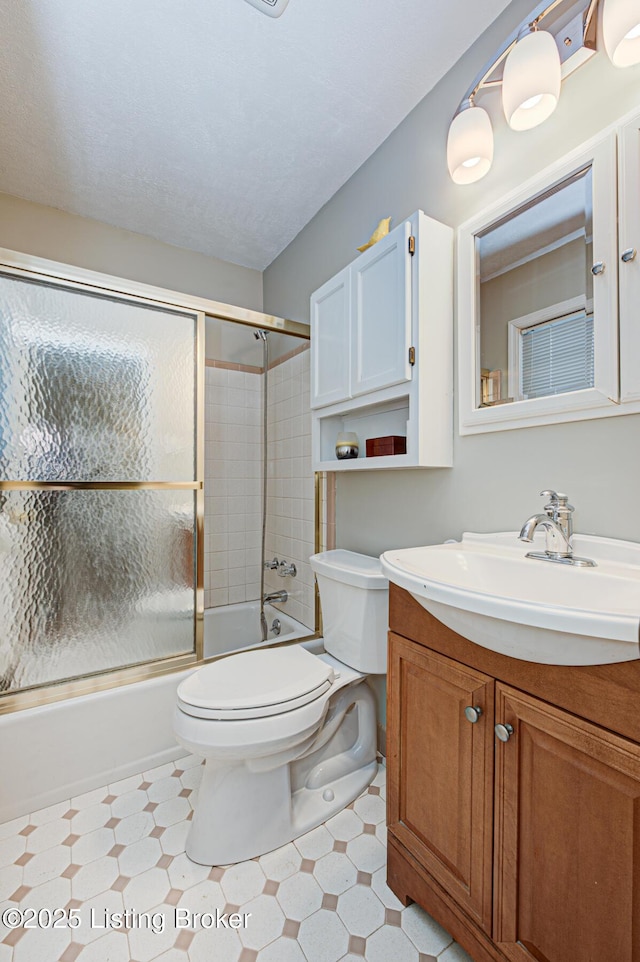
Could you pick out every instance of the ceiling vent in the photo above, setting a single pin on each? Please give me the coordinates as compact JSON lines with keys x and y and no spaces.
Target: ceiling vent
{"x":272,"y":8}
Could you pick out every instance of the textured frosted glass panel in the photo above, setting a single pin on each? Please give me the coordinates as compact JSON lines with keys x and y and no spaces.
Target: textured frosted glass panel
{"x":93,"y":580}
{"x":93,"y":388}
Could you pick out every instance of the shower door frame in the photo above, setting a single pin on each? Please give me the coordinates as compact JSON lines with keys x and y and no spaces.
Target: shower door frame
{"x":29,"y":267}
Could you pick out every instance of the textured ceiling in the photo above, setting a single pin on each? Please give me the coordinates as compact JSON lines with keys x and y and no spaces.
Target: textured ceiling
{"x":204,"y":123}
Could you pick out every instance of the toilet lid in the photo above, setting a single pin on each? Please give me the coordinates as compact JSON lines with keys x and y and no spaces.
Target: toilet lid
{"x":254,"y":684}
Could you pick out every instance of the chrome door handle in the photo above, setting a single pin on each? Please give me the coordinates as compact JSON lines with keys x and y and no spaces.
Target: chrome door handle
{"x":472,"y":714}
{"x":598,"y":268}
{"x":628,"y":255}
{"x":503,"y":732}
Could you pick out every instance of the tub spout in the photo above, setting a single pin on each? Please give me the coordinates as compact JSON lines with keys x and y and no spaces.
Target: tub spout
{"x":279,"y":596}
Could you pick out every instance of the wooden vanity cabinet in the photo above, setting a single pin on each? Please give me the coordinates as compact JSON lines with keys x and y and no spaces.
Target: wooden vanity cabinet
{"x":442,"y":801}
{"x":527,"y":849}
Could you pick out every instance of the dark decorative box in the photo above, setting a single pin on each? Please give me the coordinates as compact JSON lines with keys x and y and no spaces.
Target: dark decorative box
{"x":381,"y":447}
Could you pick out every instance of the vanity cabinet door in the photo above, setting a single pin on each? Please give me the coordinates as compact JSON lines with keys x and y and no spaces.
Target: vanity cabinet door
{"x":567,"y":837}
{"x":330,"y":337}
{"x":381,"y":314}
{"x":440,"y":771}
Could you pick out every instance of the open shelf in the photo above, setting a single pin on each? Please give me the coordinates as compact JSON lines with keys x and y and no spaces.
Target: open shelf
{"x":371,"y":421}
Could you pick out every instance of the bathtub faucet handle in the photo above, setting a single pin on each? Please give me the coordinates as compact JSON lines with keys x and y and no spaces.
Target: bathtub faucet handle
{"x":272,"y":565}
{"x":284,"y":569}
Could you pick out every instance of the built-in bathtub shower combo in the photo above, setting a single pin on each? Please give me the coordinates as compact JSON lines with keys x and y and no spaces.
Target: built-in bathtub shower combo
{"x":157,"y":510}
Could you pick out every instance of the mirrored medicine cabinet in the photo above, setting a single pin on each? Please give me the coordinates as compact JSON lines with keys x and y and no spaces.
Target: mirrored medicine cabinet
{"x":538,"y":299}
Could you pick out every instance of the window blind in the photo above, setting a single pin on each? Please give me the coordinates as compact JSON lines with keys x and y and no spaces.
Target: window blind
{"x":557,"y":356}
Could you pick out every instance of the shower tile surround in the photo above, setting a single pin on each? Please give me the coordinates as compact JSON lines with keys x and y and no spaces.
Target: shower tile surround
{"x":233,"y":486}
{"x":291,"y":488}
{"x":322,"y":898}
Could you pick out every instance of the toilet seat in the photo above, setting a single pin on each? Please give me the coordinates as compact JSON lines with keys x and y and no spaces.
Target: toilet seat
{"x":255,"y":684}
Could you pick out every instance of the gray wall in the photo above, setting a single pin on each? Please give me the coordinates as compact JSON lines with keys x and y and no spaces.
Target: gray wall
{"x":496,"y":478}
{"x":47,"y":232}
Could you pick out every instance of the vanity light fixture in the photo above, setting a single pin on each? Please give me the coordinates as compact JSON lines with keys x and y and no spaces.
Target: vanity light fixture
{"x":531,"y":80}
{"x":556,"y":38}
{"x":621,"y":31}
{"x":470,"y":144}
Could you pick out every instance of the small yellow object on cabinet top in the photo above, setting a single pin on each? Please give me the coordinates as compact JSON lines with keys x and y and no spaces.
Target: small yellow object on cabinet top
{"x":381,"y":231}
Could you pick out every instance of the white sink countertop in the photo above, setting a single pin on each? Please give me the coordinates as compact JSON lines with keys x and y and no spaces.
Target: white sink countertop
{"x":484,"y":588}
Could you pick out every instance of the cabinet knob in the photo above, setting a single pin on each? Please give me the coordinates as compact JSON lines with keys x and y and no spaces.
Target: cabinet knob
{"x":628,"y":255}
{"x":503,"y":732}
{"x":472,"y":714}
{"x":598,"y":267}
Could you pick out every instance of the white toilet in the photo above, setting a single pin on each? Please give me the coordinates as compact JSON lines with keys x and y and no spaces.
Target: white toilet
{"x":283,"y":748}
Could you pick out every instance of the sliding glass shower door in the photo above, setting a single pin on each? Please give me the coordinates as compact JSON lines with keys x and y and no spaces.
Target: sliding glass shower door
{"x":100,"y":481}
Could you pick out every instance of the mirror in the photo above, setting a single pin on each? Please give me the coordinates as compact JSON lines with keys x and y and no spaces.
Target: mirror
{"x":534,"y":289}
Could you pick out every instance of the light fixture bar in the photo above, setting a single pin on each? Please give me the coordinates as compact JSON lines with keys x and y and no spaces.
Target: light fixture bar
{"x":543,"y":10}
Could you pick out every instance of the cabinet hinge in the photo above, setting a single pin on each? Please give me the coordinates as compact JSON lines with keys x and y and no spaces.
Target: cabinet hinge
{"x":412,"y":245}
{"x":412,"y":356}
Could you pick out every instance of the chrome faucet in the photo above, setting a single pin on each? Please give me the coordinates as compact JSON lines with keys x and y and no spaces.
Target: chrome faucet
{"x":279,"y":596}
{"x":558,"y":524}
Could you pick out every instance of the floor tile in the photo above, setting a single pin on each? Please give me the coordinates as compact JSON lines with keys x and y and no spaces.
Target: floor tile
{"x":146,"y":890}
{"x":282,"y":863}
{"x":390,"y":943}
{"x":299,"y":896}
{"x":323,"y":937}
{"x":322,"y":898}
{"x":454,"y":953}
{"x":366,"y":853}
{"x":265,"y":922}
{"x":92,"y":846}
{"x":315,"y":844}
{"x":221,"y":945}
{"x":139,"y":857}
{"x":96,"y":877}
{"x":424,"y":932}
{"x":361,"y":910}
{"x":335,"y":873}
{"x":113,"y":947}
{"x":282,"y":950}
{"x":242,"y":882}
{"x":345,"y":825}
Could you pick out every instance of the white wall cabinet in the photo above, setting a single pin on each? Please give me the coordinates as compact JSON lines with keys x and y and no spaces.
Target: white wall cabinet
{"x":381,"y":350}
{"x":331,"y":359}
{"x":629,"y":263}
{"x":612,"y":245}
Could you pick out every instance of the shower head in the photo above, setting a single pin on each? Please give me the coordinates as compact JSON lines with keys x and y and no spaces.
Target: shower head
{"x":260,"y":335}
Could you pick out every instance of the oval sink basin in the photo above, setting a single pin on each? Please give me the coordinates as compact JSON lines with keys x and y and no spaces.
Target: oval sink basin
{"x":485,"y":589}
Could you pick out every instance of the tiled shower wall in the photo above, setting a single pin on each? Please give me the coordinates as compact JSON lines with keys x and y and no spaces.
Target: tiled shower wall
{"x":233,"y":471}
{"x":291,"y":495}
{"x":233,"y":489}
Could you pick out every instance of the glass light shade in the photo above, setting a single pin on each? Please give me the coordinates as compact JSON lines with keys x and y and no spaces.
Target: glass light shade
{"x":531,"y":81}
{"x":470,"y":145}
{"x":621,"y":31}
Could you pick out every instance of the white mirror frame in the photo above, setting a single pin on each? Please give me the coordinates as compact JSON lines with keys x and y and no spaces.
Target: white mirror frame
{"x":603,"y":397}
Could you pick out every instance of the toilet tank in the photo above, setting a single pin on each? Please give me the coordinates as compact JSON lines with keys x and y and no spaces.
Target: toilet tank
{"x":354,"y":595}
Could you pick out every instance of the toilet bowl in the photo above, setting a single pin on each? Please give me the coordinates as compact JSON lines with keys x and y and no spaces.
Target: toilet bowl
{"x":288,"y":737}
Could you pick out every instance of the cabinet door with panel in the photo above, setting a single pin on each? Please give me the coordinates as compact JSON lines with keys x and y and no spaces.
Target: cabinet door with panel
{"x":381,"y":314}
{"x":331,"y":339}
{"x":441,"y":770}
{"x":567,"y":842}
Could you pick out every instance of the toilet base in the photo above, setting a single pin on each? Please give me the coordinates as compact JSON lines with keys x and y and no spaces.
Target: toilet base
{"x":245,"y":834}
{"x":243,"y":811}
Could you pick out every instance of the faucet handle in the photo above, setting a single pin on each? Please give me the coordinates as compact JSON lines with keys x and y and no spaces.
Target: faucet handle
{"x":557,"y":500}
{"x":554,"y":495}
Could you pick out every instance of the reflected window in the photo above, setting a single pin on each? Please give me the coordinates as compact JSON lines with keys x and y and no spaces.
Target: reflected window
{"x":535,"y":296}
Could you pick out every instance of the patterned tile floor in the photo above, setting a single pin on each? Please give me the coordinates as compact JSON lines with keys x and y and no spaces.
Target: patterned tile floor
{"x":322,"y":898}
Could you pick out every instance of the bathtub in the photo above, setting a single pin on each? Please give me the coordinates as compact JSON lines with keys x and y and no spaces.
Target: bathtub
{"x":236,"y":627}
{"x":52,"y":753}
